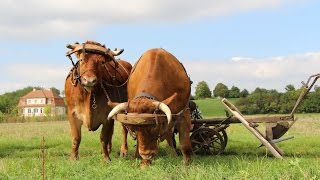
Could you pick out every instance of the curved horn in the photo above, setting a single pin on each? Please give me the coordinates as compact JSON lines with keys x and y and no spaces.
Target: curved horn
{"x":164,"y":108}
{"x":116,"y":52}
{"x":70,"y":46}
{"x":120,"y":107}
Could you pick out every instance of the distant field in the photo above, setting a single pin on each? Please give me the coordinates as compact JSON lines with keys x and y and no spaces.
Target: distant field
{"x":20,"y":155}
{"x":212,"y":107}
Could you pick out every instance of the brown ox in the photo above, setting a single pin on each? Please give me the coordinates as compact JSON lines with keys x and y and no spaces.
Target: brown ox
{"x":95,"y":79}
{"x":157,"y":82}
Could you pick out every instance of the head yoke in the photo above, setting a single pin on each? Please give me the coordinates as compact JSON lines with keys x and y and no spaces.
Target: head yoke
{"x":92,"y":48}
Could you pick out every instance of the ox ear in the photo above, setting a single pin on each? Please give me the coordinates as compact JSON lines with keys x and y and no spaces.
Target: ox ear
{"x":170,"y":99}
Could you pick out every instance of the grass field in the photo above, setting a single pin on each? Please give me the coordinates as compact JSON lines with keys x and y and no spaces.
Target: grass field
{"x":20,"y":155}
{"x":212,"y":107}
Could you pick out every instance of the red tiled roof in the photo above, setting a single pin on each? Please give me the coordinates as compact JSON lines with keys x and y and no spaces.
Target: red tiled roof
{"x":42,"y":93}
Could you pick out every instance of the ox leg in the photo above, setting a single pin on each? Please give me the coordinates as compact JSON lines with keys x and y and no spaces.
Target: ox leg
{"x":137,"y":155}
{"x":183,"y":127}
{"x":124,"y":145}
{"x":172,"y":143}
{"x":105,"y":138}
{"x":75,"y":126}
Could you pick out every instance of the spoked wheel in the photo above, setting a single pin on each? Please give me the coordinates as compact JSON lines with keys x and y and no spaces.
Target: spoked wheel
{"x":207,"y":141}
{"x":224,"y":135}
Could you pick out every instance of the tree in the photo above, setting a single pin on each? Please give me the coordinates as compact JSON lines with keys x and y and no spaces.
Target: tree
{"x":47,"y":110}
{"x":202,"y":90}
{"x":244,"y":93}
{"x":290,"y":87}
{"x":221,"y":90}
{"x":55,"y":91}
{"x":234,"y":92}
{"x":10,"y":100}
{"x":260,"y":101}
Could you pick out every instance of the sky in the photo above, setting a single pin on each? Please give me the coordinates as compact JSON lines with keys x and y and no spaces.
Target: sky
{"x":244,"y":43}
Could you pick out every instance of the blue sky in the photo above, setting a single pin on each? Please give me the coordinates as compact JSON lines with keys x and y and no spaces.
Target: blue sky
{"x":246,"y":43}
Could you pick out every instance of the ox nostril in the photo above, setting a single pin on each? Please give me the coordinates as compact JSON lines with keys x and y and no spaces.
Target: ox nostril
{"x":94,"y":81}
{"x":84,"y":80}
{"x":89,"y":81}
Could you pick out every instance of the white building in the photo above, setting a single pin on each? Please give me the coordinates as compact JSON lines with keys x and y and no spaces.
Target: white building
{"x":40,"y":102}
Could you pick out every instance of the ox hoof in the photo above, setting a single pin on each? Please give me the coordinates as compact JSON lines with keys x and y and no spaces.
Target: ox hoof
{"x":187,"y":162}
{"x":106,"y":158}
{"x":145,"y":163}
{"x":123,"y":155}
{"x":74,"y":157}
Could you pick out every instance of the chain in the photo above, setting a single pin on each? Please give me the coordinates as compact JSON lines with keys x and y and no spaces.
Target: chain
{"x":132,"y":134}
{"x":105,"y":91}
{"x":94,"y":105}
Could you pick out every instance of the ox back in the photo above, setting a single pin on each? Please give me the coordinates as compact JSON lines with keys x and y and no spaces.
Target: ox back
{"x":160,"y":74}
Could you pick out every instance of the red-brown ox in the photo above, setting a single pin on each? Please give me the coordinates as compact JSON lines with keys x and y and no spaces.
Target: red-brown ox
{"x":95,"y":79}
{"x":158,"y":81}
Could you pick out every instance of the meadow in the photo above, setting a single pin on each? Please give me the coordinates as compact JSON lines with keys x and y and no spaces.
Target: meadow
{"x":21,"y":155}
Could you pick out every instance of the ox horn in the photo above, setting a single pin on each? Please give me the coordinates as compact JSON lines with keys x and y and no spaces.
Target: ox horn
{"x":164,"y":108}
{"x":120,"y":107}
{"x":70,"y":46}
{"x":116,"y":52}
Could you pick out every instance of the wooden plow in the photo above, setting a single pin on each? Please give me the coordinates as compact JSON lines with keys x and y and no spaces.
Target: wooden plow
{"x":209,"y":135}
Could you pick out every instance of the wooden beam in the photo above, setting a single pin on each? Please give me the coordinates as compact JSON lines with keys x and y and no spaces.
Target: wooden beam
{"x":232,"y":120}
{"x":272,"y":147}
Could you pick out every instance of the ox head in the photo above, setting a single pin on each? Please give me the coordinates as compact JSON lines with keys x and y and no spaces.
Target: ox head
{"x":92,"y":57}
{"x":147,"y":135}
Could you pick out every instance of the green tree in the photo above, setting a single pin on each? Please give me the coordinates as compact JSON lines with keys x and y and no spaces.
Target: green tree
{"x":260,"y":101}
{"x":47,"y":110}
{"x":10,"y":100}
{"x":55,"y":91}
{"x":244,"y":93}
{"x":234,"y":92}
{"x":221,"y":90}
{"x":290,"y":87}
{"x":202,"y":90}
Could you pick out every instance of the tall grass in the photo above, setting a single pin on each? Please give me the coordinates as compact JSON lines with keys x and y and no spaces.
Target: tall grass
{"x":20,"y":154}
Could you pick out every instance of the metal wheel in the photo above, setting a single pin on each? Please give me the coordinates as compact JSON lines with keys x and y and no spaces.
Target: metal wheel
{"x":207,"y":141}
{"x":224,"y":135}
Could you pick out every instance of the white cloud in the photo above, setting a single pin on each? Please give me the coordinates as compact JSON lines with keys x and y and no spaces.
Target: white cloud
{"x":249,"y":73}
{"x":43,"y":75}
{"x":37,"y":19}
{"x":269,"y":73}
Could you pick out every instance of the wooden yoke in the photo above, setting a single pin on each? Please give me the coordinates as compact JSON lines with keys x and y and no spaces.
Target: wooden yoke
{"x":275,"y":150}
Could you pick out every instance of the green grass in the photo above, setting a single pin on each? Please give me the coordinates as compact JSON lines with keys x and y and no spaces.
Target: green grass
{"x":212,"y":107}
{"x":20,"y":154}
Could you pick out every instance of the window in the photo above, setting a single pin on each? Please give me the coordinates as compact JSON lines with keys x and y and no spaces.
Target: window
{"x":36,"y":110}
{"x":29,"y":110}
{"x":29,"y":101}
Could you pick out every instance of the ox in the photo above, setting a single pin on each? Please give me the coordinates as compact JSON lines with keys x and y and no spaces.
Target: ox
{"x":158,"y":84}
{"x":95,"y":79}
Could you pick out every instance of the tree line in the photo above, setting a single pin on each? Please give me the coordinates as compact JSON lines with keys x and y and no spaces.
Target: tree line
{"x":220,"y":90}
{"x":260,"y":101}
{"x":263,"y":101}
